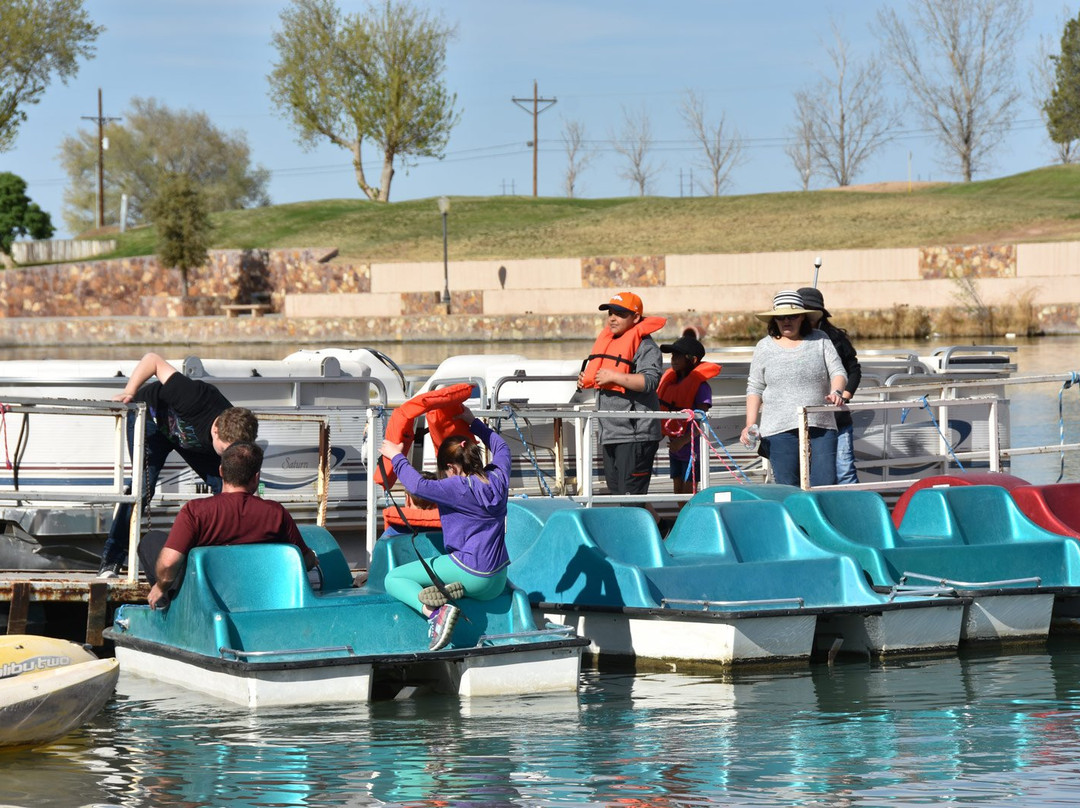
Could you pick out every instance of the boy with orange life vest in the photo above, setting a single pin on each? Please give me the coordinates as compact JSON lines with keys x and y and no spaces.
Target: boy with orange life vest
{"x":624,"y":367}
{"x":684,"y":386}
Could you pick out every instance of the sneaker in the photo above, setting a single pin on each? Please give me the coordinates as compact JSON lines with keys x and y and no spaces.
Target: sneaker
{"x":432,"y":597}
{"x":110,"y":569}
{"x":441,"y":625}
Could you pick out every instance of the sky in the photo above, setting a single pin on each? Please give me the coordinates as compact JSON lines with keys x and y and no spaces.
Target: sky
{"x":598,"y":58}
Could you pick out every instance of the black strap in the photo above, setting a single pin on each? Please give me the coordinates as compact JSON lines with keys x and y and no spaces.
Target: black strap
{"x":436,"y":581}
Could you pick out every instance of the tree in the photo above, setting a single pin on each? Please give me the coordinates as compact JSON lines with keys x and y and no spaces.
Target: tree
{"x":957,"y":62}
{"x":149,"y":143}
{"x":18,"y":215}
{"x":179,"y":212}
{"x":375,"y":77}
{"x":800,"y":146}
{"x":633,"y":142}
{"x":578,"y":155}
{"x":722,"y":150}
{"x":846,"y":116}
{"x":1062,"y":108}
{"x":1043,"y":79}
{"x":41,"y":39}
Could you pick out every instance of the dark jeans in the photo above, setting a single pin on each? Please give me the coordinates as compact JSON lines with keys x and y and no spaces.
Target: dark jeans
{"x":158,"y":447}
{"x":784,"y":456}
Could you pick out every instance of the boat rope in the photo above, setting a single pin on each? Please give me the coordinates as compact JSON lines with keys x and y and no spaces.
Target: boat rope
{"x":528,"y":449}
{"x":713,"y":440}
{"x":933,"y":420}
{"x":1069,"y":382}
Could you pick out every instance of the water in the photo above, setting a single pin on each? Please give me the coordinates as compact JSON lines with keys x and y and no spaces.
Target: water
{"x":967,"y":730}
{"x":975,"y":730}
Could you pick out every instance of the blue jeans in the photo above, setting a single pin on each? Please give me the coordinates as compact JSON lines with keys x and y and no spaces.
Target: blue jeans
{"x":784,"y":456}
{"x":845,"y":456}
{"x":157,"y":448}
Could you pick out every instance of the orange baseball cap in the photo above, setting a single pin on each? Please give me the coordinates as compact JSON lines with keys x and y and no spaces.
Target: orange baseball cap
{"x":627,"y":301}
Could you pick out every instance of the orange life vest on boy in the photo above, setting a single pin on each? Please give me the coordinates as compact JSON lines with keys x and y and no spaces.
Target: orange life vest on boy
{"x":677,"y":394}
{"x":617,"y":353}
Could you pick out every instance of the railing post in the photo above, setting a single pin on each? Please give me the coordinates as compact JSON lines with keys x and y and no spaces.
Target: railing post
{"x":804,"y":450}
{"x":138,"y":482}
{"x":373,"y":453}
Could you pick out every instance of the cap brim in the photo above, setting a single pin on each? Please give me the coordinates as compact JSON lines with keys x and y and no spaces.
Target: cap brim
{"x":616,"y":309}
{"x":811,"y":314}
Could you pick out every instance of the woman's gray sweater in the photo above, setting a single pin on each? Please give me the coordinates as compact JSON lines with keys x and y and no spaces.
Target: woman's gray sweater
{"x":789,"y":378}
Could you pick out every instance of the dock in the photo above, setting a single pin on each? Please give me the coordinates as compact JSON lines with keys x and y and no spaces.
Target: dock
{"x":21,"y":588}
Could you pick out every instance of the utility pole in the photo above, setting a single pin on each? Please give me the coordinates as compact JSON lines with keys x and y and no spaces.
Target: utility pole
{"x":101,"y":121}
{"x":536,"y":110}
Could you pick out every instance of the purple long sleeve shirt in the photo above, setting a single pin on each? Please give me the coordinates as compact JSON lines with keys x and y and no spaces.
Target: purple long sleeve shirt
{"x":473,"y":513}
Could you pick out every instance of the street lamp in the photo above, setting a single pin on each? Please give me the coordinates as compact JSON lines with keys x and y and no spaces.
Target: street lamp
{"x":444,"y":209}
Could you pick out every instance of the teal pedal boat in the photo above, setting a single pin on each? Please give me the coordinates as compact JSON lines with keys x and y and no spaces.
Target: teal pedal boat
{"x":734,"y":582}
{"x":971,"y":539}
{"x":247,"y":626}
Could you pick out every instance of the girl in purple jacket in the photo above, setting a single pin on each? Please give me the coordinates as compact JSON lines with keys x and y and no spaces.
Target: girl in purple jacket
{"x":471,"y":498}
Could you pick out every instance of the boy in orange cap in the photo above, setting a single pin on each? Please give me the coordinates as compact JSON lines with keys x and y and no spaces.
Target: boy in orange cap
{"x":624,"y":366}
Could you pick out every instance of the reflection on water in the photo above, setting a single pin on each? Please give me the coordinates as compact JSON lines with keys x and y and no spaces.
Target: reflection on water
{"x":969,"y":731}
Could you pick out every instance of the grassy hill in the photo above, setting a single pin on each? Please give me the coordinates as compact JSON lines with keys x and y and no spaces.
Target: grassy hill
{"x":1040,"y":205}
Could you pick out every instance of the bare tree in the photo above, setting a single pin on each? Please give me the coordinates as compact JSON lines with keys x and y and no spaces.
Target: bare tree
{"x":578,"y":154}
{"x":722,"y":150}
{"x":800,"y":148}
{"x":633,"y":142}
{"x":846,"y":116}
{"x":957,"y":61}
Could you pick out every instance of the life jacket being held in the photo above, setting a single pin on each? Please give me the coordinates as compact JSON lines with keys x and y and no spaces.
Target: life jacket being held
{"x":677,"y":394}
{"x":442,"y":407}
{"x":419,"y":518}
{"x":617,"y":353}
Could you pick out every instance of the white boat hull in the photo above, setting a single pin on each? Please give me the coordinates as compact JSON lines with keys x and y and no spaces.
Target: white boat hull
{"x":670,"y":639}
{"x":521,"y":672}
{"x":1007,"y":618}
{"x":895,"y":631}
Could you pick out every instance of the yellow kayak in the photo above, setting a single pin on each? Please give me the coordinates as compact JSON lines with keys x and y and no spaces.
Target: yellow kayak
{"x":48,"y":687}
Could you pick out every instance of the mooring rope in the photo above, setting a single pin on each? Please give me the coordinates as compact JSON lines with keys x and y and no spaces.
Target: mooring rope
{"x":933,"y":420}
{"x":1069,"y":382}
{"x":733,"y":467}
{"x":528,"y":449}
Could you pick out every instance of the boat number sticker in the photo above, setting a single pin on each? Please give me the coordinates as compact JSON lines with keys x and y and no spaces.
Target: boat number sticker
{"x":38,"y":663}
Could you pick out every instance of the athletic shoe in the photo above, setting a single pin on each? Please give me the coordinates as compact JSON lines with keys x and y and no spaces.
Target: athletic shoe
{"x":431,"y":596}
{"x":441,"y":625}
{"x":110,"y":569}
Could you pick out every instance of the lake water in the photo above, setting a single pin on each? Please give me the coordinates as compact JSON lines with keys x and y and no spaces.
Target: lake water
{"x":977,"y":729}
{"x":973,"y":730}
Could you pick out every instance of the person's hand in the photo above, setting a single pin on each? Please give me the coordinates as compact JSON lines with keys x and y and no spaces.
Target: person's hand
{"x":607,"y":376}
{"x":157,"y":598}
{"x":390,"y":450}
{"x":466,"y":416}
{"x":744,"y":436}
{"x":581,"y":380}
{"x":835,"y":398}
{"x":676,"y":443}
{"x":124,"y":397}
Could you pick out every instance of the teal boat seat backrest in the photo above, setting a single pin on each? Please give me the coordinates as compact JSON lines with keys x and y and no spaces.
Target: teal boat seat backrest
{"x":525,"y":519}
{"x":732,"y":493}
{"x":626,"y":534}
{"x":246,"y":577}
{"x":395,"y":551}
{"x":763,"y":531}
{"x":972,"y":514}
{"x":332,"y":564}
{"x":699,"y":531}
{"x":860,"y":516}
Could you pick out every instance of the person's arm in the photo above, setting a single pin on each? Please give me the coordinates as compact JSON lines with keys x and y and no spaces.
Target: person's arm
{"x":628,"y":381}
{"x":150,"y":365}
{"x":753,"y":410}
{"x":755,"y":386}
{"x":837,"y":374}
{"x":850,"y":359}
{"x":169,"y":563}
{"x":500,"y":451}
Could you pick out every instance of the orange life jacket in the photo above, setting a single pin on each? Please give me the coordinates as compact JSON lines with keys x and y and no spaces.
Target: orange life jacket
{"x":679,"y":394}
{"x":617,"y":353}
{"x":442,"y":407}
{"x":421,"y":518}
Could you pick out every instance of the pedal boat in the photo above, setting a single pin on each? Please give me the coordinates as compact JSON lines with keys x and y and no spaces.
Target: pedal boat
{"x":248,"y":627}
{"x":734,"y":582}
{"x":49,"y":687}
{"x":972,"y":539}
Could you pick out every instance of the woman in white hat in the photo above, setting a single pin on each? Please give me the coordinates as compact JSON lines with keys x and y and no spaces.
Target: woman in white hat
{"x":794,"y":366}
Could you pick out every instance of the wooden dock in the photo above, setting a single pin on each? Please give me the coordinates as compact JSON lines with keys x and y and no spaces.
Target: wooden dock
{"x":20,"y":588}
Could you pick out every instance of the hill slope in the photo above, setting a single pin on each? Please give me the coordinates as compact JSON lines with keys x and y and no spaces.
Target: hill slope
{"x":1040,"y":205}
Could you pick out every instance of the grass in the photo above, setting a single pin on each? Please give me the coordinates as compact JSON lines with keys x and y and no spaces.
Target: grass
{"x":1038,"y":205}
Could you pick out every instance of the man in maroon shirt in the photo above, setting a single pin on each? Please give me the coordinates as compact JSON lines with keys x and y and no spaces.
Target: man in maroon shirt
{"x":235,"y":516}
